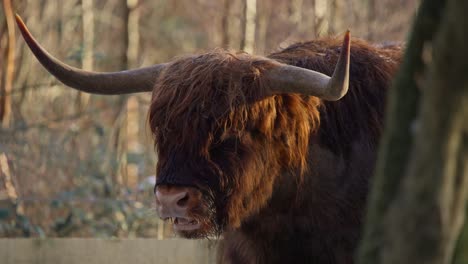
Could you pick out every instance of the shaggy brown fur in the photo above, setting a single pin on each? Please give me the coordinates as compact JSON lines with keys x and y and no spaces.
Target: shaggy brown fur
{"x":214,"y":128}
{"x":284,"y":177}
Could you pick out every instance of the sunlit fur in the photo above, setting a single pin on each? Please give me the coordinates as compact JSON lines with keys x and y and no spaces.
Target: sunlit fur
{"x":217,"y":129}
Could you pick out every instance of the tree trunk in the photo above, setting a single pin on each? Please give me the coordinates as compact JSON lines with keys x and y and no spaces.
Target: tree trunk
{"x":371,"y":17}
{"x":311,"y":18}
{"x":133,"y":31}
{"x":225,"y":24}
{"x":295,"y":13}
{"x":88,"y":46}
{"x":132,"y":120}
{"x":333,"y":17}
{"x":263,"y":25}
{"x":322,"y":22}
{"x":8,"y":68}
{"x":416,"y":208}
{"x":248,"y":26}
{"x":461,"y":252}
{"x":434,"y":191}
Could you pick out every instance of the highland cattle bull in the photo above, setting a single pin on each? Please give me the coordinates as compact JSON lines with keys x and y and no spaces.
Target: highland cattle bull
{"x":269,"y":152}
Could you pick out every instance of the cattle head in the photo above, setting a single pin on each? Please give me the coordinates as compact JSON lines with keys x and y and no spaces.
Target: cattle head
{"x":225,"y":126}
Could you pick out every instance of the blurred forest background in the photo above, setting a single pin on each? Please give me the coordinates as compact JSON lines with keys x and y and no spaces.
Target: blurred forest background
{"x":78,"y":165}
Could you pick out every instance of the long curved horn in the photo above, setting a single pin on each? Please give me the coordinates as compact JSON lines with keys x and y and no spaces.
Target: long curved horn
{"x":292,"y":79}
{"x":123,"y":82}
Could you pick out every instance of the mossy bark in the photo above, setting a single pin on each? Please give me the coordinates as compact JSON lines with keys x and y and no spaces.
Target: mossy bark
{"x":461,"y":252}
{"x":416,"y":207}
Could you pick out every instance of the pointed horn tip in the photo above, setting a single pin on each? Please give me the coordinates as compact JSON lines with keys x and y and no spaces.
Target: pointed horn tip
{"x":18,"y":18}
{"x":21,"y":24}
{"x":347,"y":33}
{"x":341,"y":74}
{"x":347,"y":39}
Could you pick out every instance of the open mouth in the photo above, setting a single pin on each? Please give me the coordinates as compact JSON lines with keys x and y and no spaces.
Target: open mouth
{"x":185,"y":224}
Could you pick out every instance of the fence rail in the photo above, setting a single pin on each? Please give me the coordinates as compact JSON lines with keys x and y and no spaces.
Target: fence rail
{"x":106,"y":251}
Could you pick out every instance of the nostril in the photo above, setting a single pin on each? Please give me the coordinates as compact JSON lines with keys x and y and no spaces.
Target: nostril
{"x":183,"y":201}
